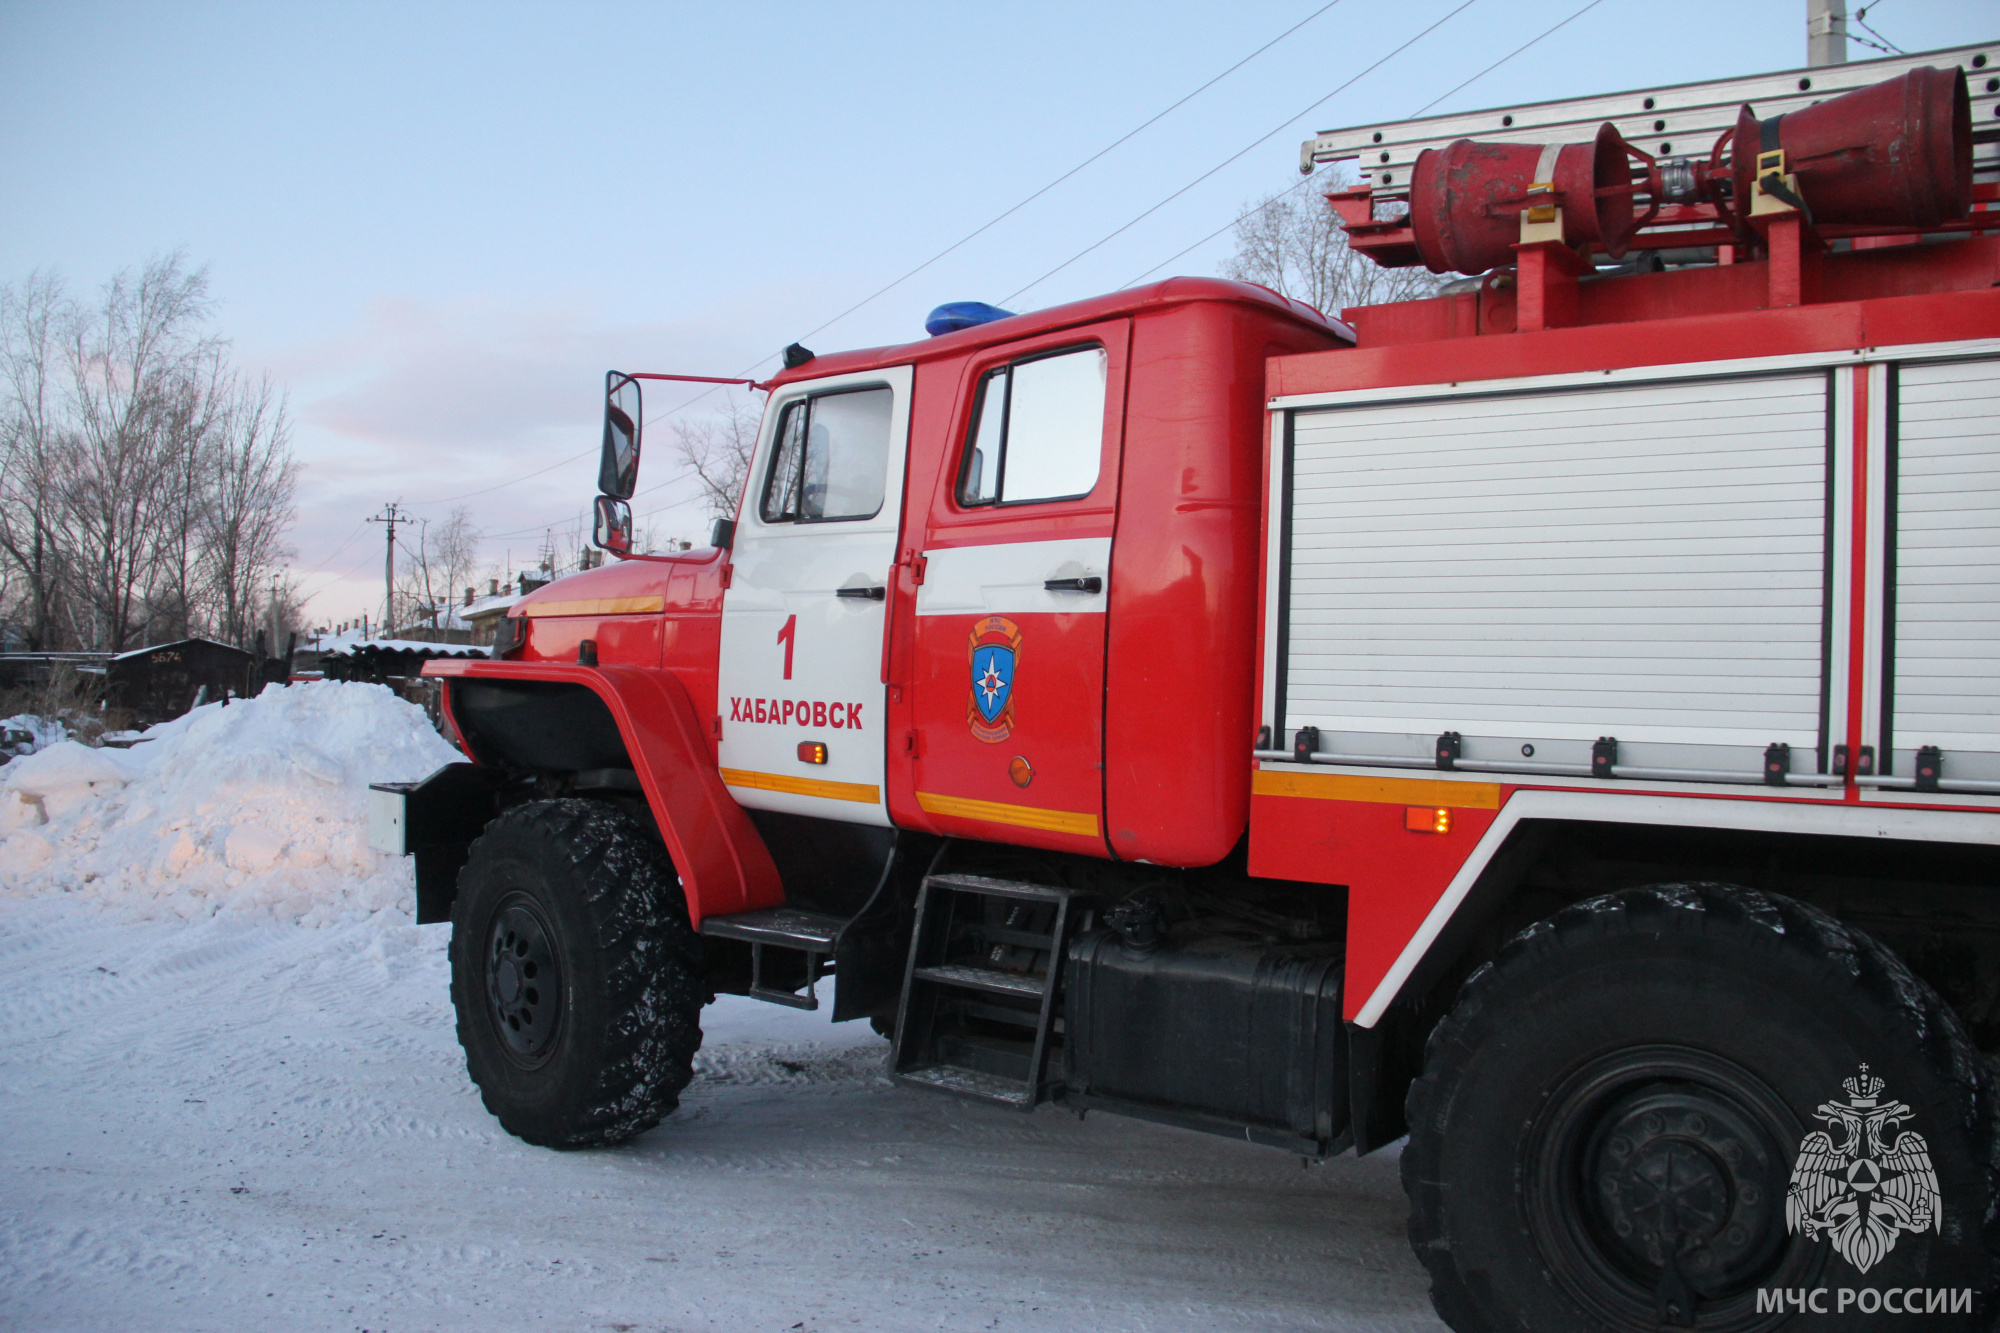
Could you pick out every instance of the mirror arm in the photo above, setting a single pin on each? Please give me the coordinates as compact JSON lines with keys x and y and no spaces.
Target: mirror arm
{"x":700,"y":379}
{"x":699,"y":556}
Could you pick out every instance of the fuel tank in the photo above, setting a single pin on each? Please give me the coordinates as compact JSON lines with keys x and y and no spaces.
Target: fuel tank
{"x":1213,"y":1031}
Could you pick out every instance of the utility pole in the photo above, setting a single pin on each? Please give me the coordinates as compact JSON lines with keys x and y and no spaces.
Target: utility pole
{"x":1826,"y":32}
{"x":271,"y":613}
{"x":390,"y":516}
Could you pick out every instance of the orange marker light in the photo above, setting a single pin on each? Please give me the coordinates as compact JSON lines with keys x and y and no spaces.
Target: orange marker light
{"x":812,"y":752}
{"x":1426,"y":819}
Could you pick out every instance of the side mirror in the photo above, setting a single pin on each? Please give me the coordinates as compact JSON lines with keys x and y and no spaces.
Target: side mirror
{"x":618,"y":473}
{"x":613,"y":529}
{"x":723,"y":536}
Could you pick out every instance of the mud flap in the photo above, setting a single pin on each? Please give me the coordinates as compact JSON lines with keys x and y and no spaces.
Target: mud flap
{"x":434,"y":820}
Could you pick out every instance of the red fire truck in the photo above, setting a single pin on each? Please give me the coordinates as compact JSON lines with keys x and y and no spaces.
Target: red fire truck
{"x":1557,"y":720}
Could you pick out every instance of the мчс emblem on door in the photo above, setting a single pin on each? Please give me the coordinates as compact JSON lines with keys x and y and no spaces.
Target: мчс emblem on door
{"x":996,"y":649}
{"x":1862,"y":1192}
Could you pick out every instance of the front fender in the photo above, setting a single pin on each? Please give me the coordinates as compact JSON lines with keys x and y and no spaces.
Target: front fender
{"x":723,"y":863}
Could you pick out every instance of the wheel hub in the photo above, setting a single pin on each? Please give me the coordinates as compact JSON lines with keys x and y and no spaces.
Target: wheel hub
{"x":1677,"y":1171}
{"x":523,"y":983}
{"x":1655,"y":1189}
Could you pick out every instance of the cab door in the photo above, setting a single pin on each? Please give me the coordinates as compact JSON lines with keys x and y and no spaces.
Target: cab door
{"x":801,"y":693}
{"x":1009,"y":630}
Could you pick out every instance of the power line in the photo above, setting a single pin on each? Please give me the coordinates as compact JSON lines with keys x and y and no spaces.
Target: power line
{"x":1108,"y":237}
{"x":1880,"y":43}
{"x":1258,"y":142}
{"x":657,"y":510}
{"x":338,"y":549}
{"x":662,"y":485}
{"x":563,"y":462}
{"x":537,"y":527}
{"x":1323,"y":171}
{"x":527,"y":476}
{"x":1051,"y":185}
{"x":1504,"y":59}
{"x":969,"y":236}
{"x":660,"y":509}
{"x":532,"y":527}
{"x":1115,"y":143}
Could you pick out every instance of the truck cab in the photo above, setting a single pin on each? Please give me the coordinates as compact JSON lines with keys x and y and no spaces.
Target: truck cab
{"x":965,"y":572}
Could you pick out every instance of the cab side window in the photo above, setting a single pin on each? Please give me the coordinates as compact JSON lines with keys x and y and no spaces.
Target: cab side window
{"x":1037,"y":430}
{"x":831,"y":458}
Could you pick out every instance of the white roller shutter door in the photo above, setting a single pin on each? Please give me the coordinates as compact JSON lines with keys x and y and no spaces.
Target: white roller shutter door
{"x":1644,"y":561}
{"x":1945,"y":662}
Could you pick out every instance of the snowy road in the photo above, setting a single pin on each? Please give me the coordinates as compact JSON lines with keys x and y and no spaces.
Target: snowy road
{"x":236,"y":1125}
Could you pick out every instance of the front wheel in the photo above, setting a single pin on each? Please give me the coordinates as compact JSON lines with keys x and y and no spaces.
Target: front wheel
{"x":575,"y":975}
{"x":1692,"y":1106}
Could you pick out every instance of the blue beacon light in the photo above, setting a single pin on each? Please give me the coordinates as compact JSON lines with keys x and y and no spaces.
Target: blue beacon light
{"x":955,"y":315}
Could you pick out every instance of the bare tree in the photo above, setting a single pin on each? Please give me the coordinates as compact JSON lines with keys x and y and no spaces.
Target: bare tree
{"x":416,"y":582}
{"x":139,"y":370}
{"x":145,"y":486}
{"x":248,"y":507}
{"x":31,"y":322}
{"x":438,"y":565}
{"x":194,"y":428}
{"x":717,"y":449}
{"x":1293,"y":244}
{"x":280,"y":612}
{"x":456,"y":544}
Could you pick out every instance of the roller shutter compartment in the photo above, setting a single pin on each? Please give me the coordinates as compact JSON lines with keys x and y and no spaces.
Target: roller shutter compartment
{"x":1536,"y":570}
{"x":1943,"y":661}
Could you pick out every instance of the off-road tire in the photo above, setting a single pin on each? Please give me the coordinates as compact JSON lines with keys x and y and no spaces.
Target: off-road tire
{"x":1685,"y":1018}
{"x":596,"y":901}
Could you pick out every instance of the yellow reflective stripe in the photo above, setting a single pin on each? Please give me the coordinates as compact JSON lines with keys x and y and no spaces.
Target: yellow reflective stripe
{"x":1385,"y":791}
{"x":832,"y":791}
{"x":994,"y":812}
{"x":602,"y":606}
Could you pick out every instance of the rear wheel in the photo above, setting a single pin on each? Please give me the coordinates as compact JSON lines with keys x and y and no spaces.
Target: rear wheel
{"x":1618,"y":1124}
{"x":575,"y":974}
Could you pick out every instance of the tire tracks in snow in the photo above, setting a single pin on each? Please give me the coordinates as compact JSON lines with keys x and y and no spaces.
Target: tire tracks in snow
{"x":226,"y":1111}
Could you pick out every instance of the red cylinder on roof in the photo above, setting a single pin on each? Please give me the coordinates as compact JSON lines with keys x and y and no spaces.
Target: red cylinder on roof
{"x":1466,"y":198}
{"x":1895,"y":154}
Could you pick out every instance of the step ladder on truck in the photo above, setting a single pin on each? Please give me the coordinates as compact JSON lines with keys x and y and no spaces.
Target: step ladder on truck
{"x":1554,"y":719}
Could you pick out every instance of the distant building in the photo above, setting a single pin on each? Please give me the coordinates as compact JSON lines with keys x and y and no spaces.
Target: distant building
{"x":153,"y":684}
{"x":167,"y":679}
{"x":33,"y":671}
{"x":484,"y":613}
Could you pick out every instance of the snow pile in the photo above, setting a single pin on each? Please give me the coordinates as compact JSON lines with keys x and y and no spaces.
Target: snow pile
{"x":26,"y":733}
{"x":259,"y":806}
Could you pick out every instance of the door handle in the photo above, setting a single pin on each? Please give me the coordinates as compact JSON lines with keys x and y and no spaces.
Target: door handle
{"x":869,"y":594}
{"x":1091,"y":584}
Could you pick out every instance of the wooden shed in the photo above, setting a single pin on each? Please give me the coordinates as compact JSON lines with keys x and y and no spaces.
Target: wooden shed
{"x":165,"y":680}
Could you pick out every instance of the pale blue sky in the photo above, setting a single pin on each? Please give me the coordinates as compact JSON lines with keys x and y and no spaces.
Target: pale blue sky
{"x":439,"y":224}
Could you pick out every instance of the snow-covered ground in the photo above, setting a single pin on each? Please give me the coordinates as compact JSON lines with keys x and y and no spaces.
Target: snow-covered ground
{"x":214,"y":1115}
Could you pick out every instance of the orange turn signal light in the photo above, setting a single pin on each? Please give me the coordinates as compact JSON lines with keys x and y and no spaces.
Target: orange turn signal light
{"x":1426,"y":819}
{"x":812,"y":752}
